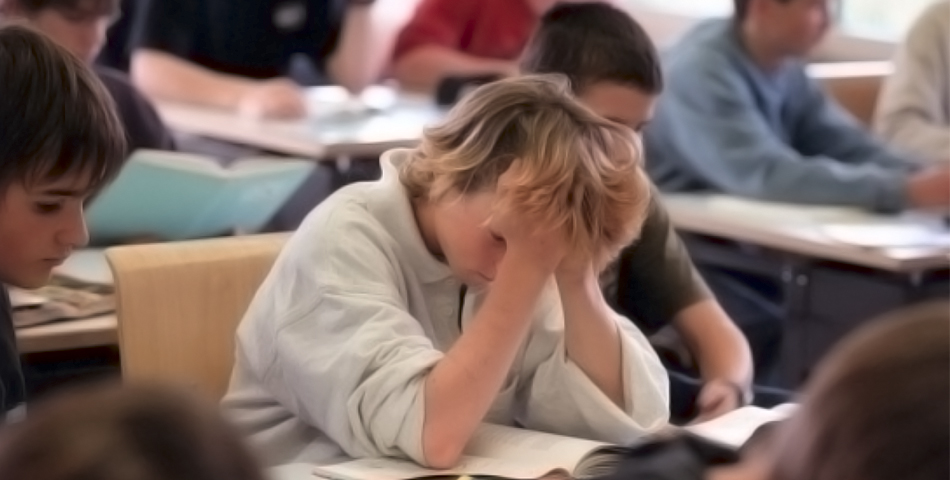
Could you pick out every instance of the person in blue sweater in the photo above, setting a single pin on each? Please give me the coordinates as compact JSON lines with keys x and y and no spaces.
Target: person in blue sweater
{"x":741,"y":116}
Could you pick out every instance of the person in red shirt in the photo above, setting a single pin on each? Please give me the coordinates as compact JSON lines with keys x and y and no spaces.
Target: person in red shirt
{"x":464,"y":38}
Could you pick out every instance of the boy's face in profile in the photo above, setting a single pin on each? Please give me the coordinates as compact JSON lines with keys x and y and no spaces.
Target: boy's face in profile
{"x":465,"y":238}
{"x":795,"y":27}
{"x":40,"y":225}
{"x":622,"y":104}
{"x":82,"y":31}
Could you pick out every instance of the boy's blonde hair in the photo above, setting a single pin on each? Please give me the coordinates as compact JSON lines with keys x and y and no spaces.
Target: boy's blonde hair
{"x":570,"y":168}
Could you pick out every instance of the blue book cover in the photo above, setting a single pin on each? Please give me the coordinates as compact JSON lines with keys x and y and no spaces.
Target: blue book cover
{"x":177,"y":196}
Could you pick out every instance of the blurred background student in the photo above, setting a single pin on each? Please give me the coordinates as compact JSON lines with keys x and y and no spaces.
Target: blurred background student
{"x":109,"y":432}
{"x":80,"y":26}
{"x":251,"y":56}
{"x":913,"y":111}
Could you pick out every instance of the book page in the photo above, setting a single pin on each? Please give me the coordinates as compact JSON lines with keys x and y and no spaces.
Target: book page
{"x":887,"y":235}
{"x":398,"y":469}
{"x":88,"y":266}
{"x":735,"y":427}
{"x":190,"y":162}
{"x":519,"y":445}
{"x":20,"y":298}
{"x":254,"y":166}
{"x":494,"y":450}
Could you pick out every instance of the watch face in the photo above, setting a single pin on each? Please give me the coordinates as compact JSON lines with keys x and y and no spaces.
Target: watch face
{"x":290,"y":16}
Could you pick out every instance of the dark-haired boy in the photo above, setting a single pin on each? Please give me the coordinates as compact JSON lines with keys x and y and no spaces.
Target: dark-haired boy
{"x":614,"y":68}
{"x":60,"y":142}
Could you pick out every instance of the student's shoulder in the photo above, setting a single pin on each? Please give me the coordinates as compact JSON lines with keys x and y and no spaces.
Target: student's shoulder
{"x":346,"y":210}
{"x":112,"y":78}
{"x":344,"y":222}
{"x":708,"y":48}
{"x":932,"y":26}
{"x":346,"y":241}
{"x":118,"y":84}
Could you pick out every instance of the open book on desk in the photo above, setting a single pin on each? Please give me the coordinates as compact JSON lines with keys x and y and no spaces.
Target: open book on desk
{"x":515,"y":453}
{"x":499,"y":451}
{"x":168,"y":196}
{"x":736,"y":427}
{"x":81,"y":287}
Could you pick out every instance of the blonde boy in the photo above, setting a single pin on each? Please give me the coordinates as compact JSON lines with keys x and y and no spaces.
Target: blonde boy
{"x":461,"y":288}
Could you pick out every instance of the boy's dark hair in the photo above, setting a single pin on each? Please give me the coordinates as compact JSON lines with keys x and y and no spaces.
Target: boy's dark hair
{"x":594,"y":42}
{"x":82,"y":8}
{"x":56,"y":119}
{"x":742,"y":8}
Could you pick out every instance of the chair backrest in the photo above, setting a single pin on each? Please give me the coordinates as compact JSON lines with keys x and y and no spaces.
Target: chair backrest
{"x":855,"y":85}
{"x":178,"y":306}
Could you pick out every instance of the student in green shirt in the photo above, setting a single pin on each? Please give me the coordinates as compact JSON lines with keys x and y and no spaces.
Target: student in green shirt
{"x":615,"y":70}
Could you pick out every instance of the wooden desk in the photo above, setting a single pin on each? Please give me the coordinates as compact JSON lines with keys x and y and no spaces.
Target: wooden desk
{"x":69,"y":335}
{"x":829,"y":288}
{"x":332,"y":131}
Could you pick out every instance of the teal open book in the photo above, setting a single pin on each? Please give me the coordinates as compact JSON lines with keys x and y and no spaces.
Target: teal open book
{"x":168,"y":196}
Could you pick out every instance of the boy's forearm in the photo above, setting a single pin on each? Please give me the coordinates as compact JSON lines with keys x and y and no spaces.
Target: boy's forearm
{"x":463,"y":385}
{"x":592,"y":337}
{"x":362,"y":51}
{"x":719,"y":347}
{"x":164,"y":76}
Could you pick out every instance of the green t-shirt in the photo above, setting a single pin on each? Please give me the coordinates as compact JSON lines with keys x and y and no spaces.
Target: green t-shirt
{"x":654,"y":279}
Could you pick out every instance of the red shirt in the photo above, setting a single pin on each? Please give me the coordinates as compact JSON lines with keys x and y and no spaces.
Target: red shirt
{"x":497,"y":29}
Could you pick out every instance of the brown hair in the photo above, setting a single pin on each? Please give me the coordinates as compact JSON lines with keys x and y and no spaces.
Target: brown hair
{"x":570,"y":168}
{"x":80,"y":8}
{"x":132,"y":433}
{"x":879,"y":406}
{"x":594,"y":42}
{"x":56,"y":118}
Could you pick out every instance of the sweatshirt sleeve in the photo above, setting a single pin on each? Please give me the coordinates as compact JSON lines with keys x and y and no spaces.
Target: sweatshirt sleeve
{"x":559,"y":397}
{"x":712,"y":122}
{"x":825,"y":128}
{"x":914,"y":105}
{"x":346,"y":355}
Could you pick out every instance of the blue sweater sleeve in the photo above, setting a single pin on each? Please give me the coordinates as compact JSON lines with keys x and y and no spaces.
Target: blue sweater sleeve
{"x":825,"y":128}
{"x":709,"y":124}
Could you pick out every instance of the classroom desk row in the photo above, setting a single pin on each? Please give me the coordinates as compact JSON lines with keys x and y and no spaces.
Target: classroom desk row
{"x":340,"y":125}
{"x":836,"y":267}
{"x":337,"y":125}
{"x":830,"y":285}
{"x":100,"y":331}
